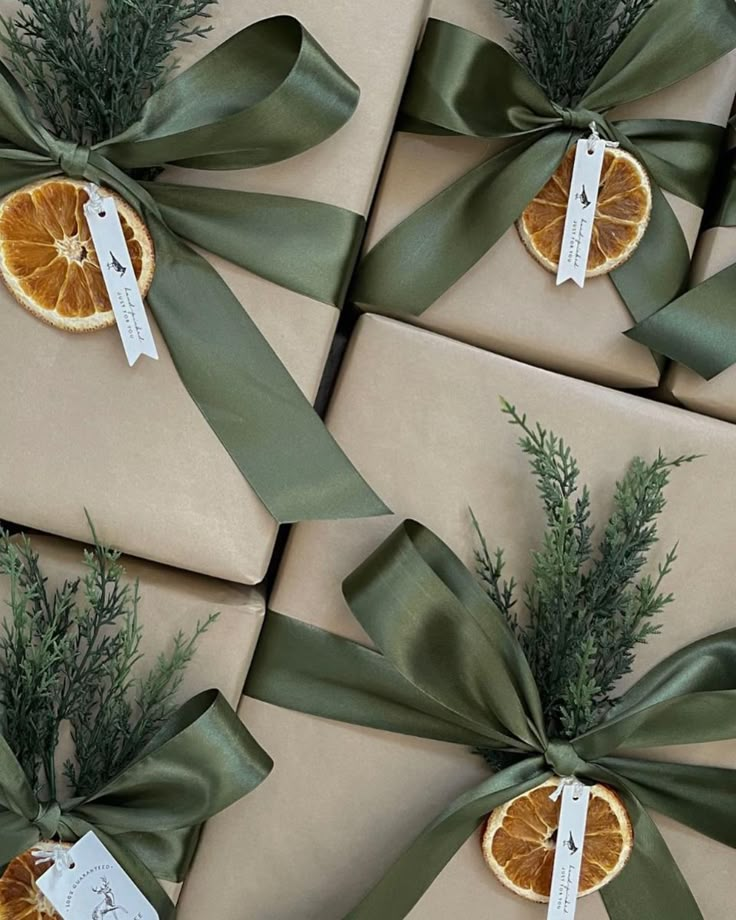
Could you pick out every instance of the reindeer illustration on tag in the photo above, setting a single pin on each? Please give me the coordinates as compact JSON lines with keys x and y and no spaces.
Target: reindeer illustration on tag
{"x":107,"y":905}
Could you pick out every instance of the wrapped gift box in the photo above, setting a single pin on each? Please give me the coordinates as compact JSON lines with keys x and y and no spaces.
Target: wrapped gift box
{"x":172,"y":601}
{"x":343,"y":802}
{"x":717,"y":397}
{"x":80,"y":428}
{"x":507,"y":302}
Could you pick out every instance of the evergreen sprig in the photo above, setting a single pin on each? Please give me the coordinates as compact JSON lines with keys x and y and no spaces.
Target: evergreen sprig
{"x":70,"y":656}
{"x":564,"y":43}
{"x":90,"y":80}
{"x":587,"y":611}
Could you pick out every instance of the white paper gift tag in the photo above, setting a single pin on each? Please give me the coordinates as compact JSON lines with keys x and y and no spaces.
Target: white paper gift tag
{"x":581,"y":206}
{"x":569,"y":850}
{"x":92,"y":885}
{"x":119,"y":276}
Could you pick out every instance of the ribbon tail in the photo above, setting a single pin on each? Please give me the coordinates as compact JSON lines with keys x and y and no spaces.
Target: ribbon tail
{"x":656,"y":273}
{"x":651,"y":885}
{"x":415,"y":870}
{"x":447,"y":236}
{"x":681,"y":156}
{"x":698,"y":329}
{"x":702,"y":798}
{"x":247,"y":396}
{"x":301,"y":667}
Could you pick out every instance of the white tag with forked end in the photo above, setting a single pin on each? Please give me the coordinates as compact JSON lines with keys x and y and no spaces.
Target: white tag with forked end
{"x":119,"y":276}
{"x":89,"y":884}
{"x":563,"y":896}
{"x":581,"y":207}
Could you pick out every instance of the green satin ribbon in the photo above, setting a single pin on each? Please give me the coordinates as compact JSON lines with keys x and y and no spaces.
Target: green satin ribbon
{"x":268,"y":93}
{"x":200,"y":762}
{"x":464,"y":84}
{"x":449,"y":668}
{"x":699,"y":328}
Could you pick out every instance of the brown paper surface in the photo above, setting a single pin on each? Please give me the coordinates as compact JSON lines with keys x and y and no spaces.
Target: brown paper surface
{"x":507,"y":302}
{"x":427,"y":431}
{"x":170,"y":601}
{"x":79,"y":428}
{"x":717,"y":397}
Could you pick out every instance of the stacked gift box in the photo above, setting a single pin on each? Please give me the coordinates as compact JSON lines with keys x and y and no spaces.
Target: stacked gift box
{"x":506,"y":302}
{"x":711,"y":390}
{"x":143,"y":431}
{"x":380,"y":157}
{"x":154,"y":430}
{"x":357,"y":800}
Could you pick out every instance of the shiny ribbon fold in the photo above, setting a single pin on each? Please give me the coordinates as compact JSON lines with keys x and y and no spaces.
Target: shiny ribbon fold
{"x":464,"y":84}
{"x":699,"y":328}
{"x":268,"y":93}
{"x":199,"y":763}
{"x":449,"y":668}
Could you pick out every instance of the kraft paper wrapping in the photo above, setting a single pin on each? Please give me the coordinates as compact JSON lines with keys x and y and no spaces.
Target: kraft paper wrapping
{"x":173,"y":601}
{"x":717,"y":397}
{"x":80,"y":428}
{"x":343,"y":802}
{"x":507,"y":302}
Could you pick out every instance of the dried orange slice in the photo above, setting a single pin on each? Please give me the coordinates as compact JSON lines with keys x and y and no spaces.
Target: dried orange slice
{"x":49,"y":262}
{"x":20,"y":899}
{"x":520,"y":837}
{"x":621,"y":217}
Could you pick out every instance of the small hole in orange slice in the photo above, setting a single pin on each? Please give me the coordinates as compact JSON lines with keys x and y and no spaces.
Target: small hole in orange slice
{"x":48,"y":259}
{"x":621,"y":218}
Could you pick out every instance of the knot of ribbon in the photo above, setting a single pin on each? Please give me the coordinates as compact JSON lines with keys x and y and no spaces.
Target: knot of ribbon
{"x":73,"y":159}
{"x":580,"y":119}
{"x":299,"y":98}
{"x":430,"y":250}
{"x":562,"y":757}
{"x":415,"y":600}
{"x":151,"y":837}
{"x":47,"y":819}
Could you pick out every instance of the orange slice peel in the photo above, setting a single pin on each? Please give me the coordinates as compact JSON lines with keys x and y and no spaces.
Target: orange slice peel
{"x":520,"y":837}
{"x":621,"y":217}
{"x":20,"y":898}
{"x":48,"y":259}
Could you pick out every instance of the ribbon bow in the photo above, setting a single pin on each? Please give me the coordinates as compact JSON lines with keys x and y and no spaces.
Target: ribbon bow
{"x":268,"y":93}
{"x":464,"y":84}
{"x":201,"y":761}
{"x":699,"y":328}
{"x":450,"y":669}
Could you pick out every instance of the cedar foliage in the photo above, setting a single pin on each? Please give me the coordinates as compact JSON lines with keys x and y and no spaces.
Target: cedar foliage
{"x":91,"y":79}
{"x":70,"y":656}
{"x":564,"y":43}
{"x":586,"y":610}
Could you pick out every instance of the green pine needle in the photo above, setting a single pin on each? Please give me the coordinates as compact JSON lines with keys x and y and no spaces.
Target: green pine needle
{"x":90,"y":80}
{"x":587,"y":611}
{"x":564,"y":43}
{"x":70,"y":656}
